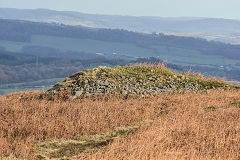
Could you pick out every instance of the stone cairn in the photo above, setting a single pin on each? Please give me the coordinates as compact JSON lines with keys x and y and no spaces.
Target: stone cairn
{"x":129,"y":80}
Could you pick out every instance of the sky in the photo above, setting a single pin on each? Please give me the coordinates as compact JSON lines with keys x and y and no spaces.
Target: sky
{"x":163,"y":8}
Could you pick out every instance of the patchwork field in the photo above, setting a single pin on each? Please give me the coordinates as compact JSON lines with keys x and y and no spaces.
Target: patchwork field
{"x":169,"y":54}
{"x":85,"y":45}
{"x":190,"y":57}
{"x":28,"y":86}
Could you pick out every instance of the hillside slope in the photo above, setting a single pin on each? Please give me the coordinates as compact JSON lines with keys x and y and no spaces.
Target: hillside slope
{"x":223,"y":30}
{"x":24,"y":36}
{"x":140,"y":24}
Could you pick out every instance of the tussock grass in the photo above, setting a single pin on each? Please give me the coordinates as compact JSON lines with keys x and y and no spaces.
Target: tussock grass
{"x":181,"y":128}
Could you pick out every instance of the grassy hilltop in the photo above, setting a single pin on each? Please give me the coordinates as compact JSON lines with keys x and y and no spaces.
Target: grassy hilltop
{"x":138,"y":79}
{"x":199,"y":122}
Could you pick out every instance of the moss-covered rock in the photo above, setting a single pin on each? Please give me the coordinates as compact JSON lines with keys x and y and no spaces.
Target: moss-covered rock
{"x":139,"y":79}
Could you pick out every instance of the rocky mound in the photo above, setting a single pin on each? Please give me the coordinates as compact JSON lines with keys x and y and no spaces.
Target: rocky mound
{"x":140,"y":79}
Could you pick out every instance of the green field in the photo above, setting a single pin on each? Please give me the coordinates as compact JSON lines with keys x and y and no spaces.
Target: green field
{"x":12,"y":46}
{"x":170,"y":54}
{"x":85,"y":45}
{"x":190,"y":57}
{"x":29,"y":86}
{"x":92,"y":46}
{"x":226,"y":38}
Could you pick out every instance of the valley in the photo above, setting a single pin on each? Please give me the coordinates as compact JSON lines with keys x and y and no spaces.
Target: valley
{"x":216,"y":29}
{"x":33,"y":51}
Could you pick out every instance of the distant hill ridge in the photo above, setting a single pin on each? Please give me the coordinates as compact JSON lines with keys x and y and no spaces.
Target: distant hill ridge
{"x":140,"y":24}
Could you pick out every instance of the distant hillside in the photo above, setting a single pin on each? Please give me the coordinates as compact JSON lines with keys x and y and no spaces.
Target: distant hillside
{"x":31,"y":51}
{"x":25,"y":36}
{"x":145,"y":24}
{"x":225,"y":30}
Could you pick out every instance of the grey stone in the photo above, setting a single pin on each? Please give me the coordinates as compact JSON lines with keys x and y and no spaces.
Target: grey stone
{"x":79,"y":93}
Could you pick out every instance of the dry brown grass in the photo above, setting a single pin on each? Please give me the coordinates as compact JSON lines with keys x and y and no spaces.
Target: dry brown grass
{"x":185,"y":126}
{"x":160,"y":65}
{"x":203,"y":77}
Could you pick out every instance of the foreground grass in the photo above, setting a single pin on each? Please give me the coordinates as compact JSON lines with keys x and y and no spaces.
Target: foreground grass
{"x":71,"y":148}
{"x":183,"y":126}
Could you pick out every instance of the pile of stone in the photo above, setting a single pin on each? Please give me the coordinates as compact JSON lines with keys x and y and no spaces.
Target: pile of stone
{"x":128,"y":80}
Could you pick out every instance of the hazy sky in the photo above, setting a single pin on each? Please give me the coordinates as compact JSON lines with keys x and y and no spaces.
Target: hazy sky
{"x":163,"y":8}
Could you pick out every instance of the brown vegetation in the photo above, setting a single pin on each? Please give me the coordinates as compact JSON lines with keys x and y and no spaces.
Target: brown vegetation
{"x":184,"y":126}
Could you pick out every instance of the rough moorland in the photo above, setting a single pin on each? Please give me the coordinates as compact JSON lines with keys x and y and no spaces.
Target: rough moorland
{"x":167,"y":126}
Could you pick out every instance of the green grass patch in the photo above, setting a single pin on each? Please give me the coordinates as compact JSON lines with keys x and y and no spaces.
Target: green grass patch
{"x":235,"y":104}
{"x":211,"y":108}
{"x":71,"y":148}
